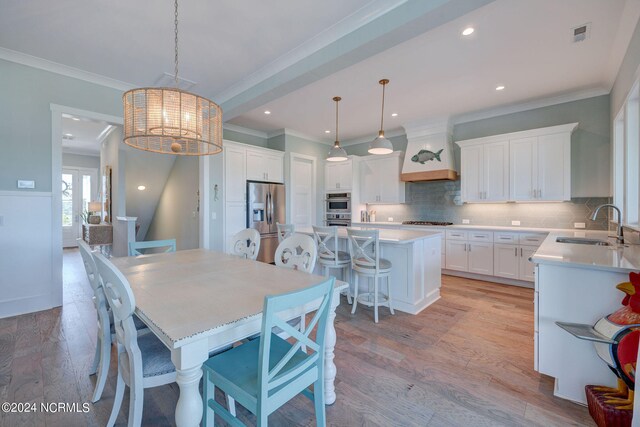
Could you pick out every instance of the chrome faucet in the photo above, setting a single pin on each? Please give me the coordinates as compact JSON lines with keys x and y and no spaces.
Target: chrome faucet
{"x":619,"y":236}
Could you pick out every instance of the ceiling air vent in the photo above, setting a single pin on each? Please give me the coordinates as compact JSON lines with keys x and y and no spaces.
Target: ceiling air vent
{"x":581,"y":33}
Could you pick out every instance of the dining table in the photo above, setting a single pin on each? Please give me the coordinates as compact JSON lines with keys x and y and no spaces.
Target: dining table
{"x":196,"y":301}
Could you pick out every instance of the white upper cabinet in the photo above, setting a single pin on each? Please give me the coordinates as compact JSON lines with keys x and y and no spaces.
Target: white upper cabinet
{"x":532,"y":165}
{"x":338,"y":176}
{"x":265,"y":165}
{"x":380,"y":179}
{"x":235,"y":180}
{"x":486,"y":172}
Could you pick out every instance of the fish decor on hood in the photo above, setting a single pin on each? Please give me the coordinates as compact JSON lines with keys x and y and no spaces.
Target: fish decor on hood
{"x":424,"y":156}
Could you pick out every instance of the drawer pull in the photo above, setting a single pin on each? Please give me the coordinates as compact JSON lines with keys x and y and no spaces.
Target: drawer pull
{"x":532,"y":240}
{"x":504,"y":238}
{"x":480,"y":236}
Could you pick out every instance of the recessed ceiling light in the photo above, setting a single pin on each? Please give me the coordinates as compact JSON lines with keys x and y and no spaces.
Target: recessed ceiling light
{"x":394,"y":114}
{"x":68,"y":135}
{"x":267,"y":112}
{"x":75,"y":118}
{"x":141,"y":187}
{"x":500,"y":87}
{"x":327,"y":131}
{"x":468,"y":31}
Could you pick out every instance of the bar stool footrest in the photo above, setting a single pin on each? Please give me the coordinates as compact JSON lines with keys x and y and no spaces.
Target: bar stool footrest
{"x":367,"y":299}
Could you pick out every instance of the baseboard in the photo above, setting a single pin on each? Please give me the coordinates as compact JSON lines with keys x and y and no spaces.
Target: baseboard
{"x":26,"y":305}
{"x":494,"y":279}
{"x":429,"y":299}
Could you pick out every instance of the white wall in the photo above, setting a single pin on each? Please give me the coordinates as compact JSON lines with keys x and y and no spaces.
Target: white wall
{"x":80,"y":161}
{"x":176,"y":216}
{"x":26,"y":262}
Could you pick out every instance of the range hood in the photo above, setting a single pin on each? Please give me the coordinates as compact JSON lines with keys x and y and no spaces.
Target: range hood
{"x":429,"y":155}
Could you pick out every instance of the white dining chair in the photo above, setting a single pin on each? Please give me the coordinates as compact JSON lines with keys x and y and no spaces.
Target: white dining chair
{"x":143,"y":361}
{"x":102,"y":358}
{"x":364,"y":247}
{"x":246,"y":244}
{"x":329,"y":257}
{"x":152,"y":246}
{"x":284,"y":231}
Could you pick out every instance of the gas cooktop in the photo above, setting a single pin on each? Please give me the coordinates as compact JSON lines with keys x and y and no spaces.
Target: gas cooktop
{"x":426,"y":223}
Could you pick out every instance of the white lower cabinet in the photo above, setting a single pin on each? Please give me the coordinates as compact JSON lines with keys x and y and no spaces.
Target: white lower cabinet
{"x":236,"y":214}
{"x":470,"y":251}
{"x":480,"y":258}
{"x":512,"y":261}
{"x":457,"y":258}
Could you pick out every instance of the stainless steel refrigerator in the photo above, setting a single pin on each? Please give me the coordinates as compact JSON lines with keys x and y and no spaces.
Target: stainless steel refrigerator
{"x":265,"y":207}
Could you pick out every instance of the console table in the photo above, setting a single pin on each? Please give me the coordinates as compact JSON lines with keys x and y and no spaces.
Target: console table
{"x":98,"y":235}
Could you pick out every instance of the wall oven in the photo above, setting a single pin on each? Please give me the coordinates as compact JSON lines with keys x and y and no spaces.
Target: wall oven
{"x":340,"y":220}
{"x":338,"y":203}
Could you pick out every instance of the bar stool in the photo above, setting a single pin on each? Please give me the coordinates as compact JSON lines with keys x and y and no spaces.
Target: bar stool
{"x":329,"y":256}
{"x":284,"y":231}
{"x":364,"y":246}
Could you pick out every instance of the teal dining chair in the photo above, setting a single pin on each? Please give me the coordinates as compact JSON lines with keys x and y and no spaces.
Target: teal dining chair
{"x":264,"y":374}
{"x":155,"y":246}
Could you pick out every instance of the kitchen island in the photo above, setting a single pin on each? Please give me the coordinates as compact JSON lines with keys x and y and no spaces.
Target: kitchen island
{"x":415,"y":256}
{"x":576,"y":283}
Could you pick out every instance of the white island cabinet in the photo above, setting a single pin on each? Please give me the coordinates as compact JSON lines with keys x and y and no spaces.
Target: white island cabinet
{"x":415,"y":274}
{"x":576,"y":283}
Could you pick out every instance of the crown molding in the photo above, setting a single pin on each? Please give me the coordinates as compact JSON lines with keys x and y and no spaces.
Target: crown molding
{"x":529,"y":105}
{"x":387,"y":133}
{"x":358,"y":19}
{"x":244,"y":130}
{"x":291,"y":132}
{"x":64,"y":70}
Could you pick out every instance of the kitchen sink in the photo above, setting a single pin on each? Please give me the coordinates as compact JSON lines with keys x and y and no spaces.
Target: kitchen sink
{"x":583,"y":241}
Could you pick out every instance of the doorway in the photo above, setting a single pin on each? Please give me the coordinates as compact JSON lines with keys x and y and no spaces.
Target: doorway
{"x":79,"y":187}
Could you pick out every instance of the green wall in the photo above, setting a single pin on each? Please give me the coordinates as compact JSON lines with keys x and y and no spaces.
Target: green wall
{"x":25,"y":118}
{"x":590,"y":143}
{"x":243,"y":138}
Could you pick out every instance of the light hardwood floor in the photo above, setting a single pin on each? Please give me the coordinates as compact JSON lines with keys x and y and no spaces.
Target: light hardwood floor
{"x":465,"y":361}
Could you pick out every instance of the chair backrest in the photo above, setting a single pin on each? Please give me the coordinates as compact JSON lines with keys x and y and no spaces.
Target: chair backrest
{"x":364,"y":247}
{"x":152,"y":246}
{"x":122,"y":302}
{"x":284,"y":231}
{"x":246,"y":243}
{"x":297,"y":252}
{"x":283,"y":372}
{"x":90,"y":267}
{"x":326,"y":239}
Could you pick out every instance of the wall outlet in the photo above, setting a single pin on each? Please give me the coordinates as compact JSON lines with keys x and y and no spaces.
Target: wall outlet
{"x":579,"y":225}
{"x":214,"y":215}
{"x":466,"y":221}
{"x":390,"y":219}
{"x":1,"y":220}
{"x":23,"y":183}
{"x":515,"y":222}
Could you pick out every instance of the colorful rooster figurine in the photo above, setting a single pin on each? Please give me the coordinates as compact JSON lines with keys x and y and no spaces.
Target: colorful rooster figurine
{"x":622,"y":327}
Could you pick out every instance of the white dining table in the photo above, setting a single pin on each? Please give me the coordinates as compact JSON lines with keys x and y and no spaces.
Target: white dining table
{"x":196,"y":301}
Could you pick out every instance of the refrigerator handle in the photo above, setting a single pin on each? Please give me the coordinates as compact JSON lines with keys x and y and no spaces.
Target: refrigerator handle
{"x":268,"y":208}
{"x":271,"y":206}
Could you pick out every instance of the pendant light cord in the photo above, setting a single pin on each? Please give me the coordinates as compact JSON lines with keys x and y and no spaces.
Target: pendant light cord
{"x":175,"y":22}
{"x":382,"y":116}
{"x":337,"y":139}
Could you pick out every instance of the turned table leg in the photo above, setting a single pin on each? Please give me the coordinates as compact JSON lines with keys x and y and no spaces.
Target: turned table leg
{"x":329,"y":347}
{"x":188,"y":361}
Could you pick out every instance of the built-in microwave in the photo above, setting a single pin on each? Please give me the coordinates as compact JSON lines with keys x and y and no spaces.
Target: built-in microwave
{"x":338,"y":203}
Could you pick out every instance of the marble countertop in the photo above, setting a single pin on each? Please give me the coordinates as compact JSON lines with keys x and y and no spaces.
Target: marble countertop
{"x":620,"y":258}
{"x":464,"y":227}
{"x":386,"y":235}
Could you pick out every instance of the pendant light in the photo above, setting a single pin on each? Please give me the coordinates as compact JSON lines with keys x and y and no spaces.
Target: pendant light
{"x":170,"y":120}
{"x":337,"y":153}
{"x":381,"y":145}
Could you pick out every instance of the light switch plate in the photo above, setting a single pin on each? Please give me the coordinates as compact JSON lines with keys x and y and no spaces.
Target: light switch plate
{"x":214,"y":215}
{"x":579,"y":225}
{"x":515,"y":222}
{"x":23,"y":183}
{"x":466,"y":221}
{"x":390,"y":219}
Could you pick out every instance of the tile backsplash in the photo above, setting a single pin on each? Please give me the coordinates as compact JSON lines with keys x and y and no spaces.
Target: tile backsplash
{"x":440,"y":201}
